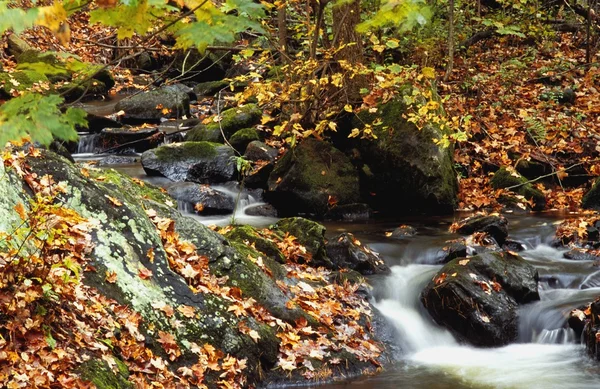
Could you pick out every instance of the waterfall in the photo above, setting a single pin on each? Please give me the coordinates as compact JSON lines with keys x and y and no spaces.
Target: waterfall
{"x":88,"y":143}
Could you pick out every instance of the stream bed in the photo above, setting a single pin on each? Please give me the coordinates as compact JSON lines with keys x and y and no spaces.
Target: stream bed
{"x":547,"y":354}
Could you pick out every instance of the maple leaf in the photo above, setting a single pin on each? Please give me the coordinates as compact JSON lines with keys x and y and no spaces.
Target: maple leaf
{"x":114,"y":201}
{"x":187,"y":311}
{"x":144,"y":273}
{"x":111,"y":277}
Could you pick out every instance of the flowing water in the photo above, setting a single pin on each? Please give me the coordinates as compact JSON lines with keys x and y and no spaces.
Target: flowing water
{"x":547,"y":353}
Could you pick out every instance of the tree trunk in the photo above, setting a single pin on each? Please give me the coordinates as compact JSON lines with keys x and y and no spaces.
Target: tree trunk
{"x":345,"y":19}
{"x":450,"y":40}
{"x":282,"y":27}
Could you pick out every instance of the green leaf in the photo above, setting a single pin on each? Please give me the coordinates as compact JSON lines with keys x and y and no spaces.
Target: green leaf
{"x":38,"y":117}
{"x":16,"y":19}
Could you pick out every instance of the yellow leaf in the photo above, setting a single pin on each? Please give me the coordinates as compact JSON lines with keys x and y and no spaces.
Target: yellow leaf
{"x":52,"y":16}
{"x":348,"y":108}
{"x":428,"y":72}
{"x":355,"y":132}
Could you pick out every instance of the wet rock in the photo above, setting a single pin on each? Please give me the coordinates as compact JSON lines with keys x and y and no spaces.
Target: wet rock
{"x":259,"y":151}
{"x":265,"y":210}
{"x":591,"y":200}
{"x":580,"y":254}
{"x":167,"y":101}
{"x":242,"y":138}
{"x":309,"y":234}
{"x":514,"y":245}
{"x":98,"y":123}
{"x":504,"y":179}
{"x":346,"y":252}
{"x":312,"y":177}
{"x":402,"y":232}
{"x":16,"y":46}
{"x":403,"y":170}
{"x":577,"y":320}
{"x":259,"y":239}
{"x":200,"y":162}
{"x":132,"y":138}
{"x":205,"y":199}
{"x":258,"y":177}
{"x":232,"y":120}
{"x":454,"y":249}
{"x":210,"y":88}
{"x":495,"y":226}
{"x":477,"y":298}
{"x":591,"y":333}
{"x":349,"y":212}
{"x":117,"y":160}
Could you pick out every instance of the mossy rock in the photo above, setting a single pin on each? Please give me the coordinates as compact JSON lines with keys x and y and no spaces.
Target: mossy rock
{"x":404,"y":171}
{"x":504,"y":179}
{"x":307,"y":178}
{"x":209,"y":88}
{"x":232,"y":120}
{"x":168,"y":101}
{"x":82,"y":70}
{"x":242,"y":138}
{"x":309,"y":234}
{"x":201,"y":162}
{"x":591,"y":200}
{"x":103,"y":377}
{"x":16,"y":45}
{"x":249,"y":235}
{"x":54,"y":73}
{"x":20,"y":81}
{"x":36,"y":56}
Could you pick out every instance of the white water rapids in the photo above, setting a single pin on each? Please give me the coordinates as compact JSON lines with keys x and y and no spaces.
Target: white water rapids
{"x":548,"y":356}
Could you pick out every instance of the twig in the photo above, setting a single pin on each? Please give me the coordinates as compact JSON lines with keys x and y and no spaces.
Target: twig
{"x":551,"y":174}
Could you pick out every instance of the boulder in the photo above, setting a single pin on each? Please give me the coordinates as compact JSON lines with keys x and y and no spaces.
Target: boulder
{"x":309,"y":234}
{"x":258,"y":177}
{"x":210,"y":88}
{"x":16,"y":46}
{"x":232,"y":120}
{"x":98,"y":123}
{"x":178,"y":289}
{"x":200,"y":162}
{"x":403,"y":170}
{"x":477,"y":298}
{"x":259,"y":151}
{"x":347,"y":252}
{"x":242,"y":138}
{"x":132,"y":138}
{"x":265,"y":210}
{"x":454,"y":249}
{"x":402,"y":232}
{"x":591,"y":200}
{"x":591,"y":330}
{"x":205,"y":199}
{"x":311,"y":178}
{"x":504,"y":179}
{"x":349,"y":212}
{"x":165,"y":102}
{"x":496,"y":226}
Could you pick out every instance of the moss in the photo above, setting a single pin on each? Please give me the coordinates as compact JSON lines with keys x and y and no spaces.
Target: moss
{"x":504,"y":179}
{"x":178,"y":151}
{"x":407,"y":167}
{"x":124,"y":184}
{"x":591,"y":200}
{"x":100,"y":374}
{"x":309,"y":234}
{"x":242,"y":138}
{"x":33,"y":56}
{"x":201,"y":133}
{"x":24,"y":80}
{"x":209,"y":88}
{"x":249,"y":235}
{"x":54,"y":73}
{"x":84,"y":70}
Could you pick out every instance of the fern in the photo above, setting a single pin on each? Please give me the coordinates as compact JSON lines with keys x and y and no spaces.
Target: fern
{"x":535,"y":128}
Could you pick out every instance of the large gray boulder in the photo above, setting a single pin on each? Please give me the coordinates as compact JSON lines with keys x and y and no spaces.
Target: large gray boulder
{"x":168,"y":102}
{"x":177,"y":285}
{"x":311,"y":178}
{"x":477,"y":298}
{"x":403,"y":170}
{"x":231,"y":121}
{"x":201,"y":162}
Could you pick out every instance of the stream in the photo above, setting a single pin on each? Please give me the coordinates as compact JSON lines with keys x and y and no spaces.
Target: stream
{"x":547,"y":353}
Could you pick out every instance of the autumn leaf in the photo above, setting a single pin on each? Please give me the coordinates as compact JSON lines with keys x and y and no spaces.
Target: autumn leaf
{"x":111,"y":277}
{"x":114,"y":201}
{"x":144,"y":273}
